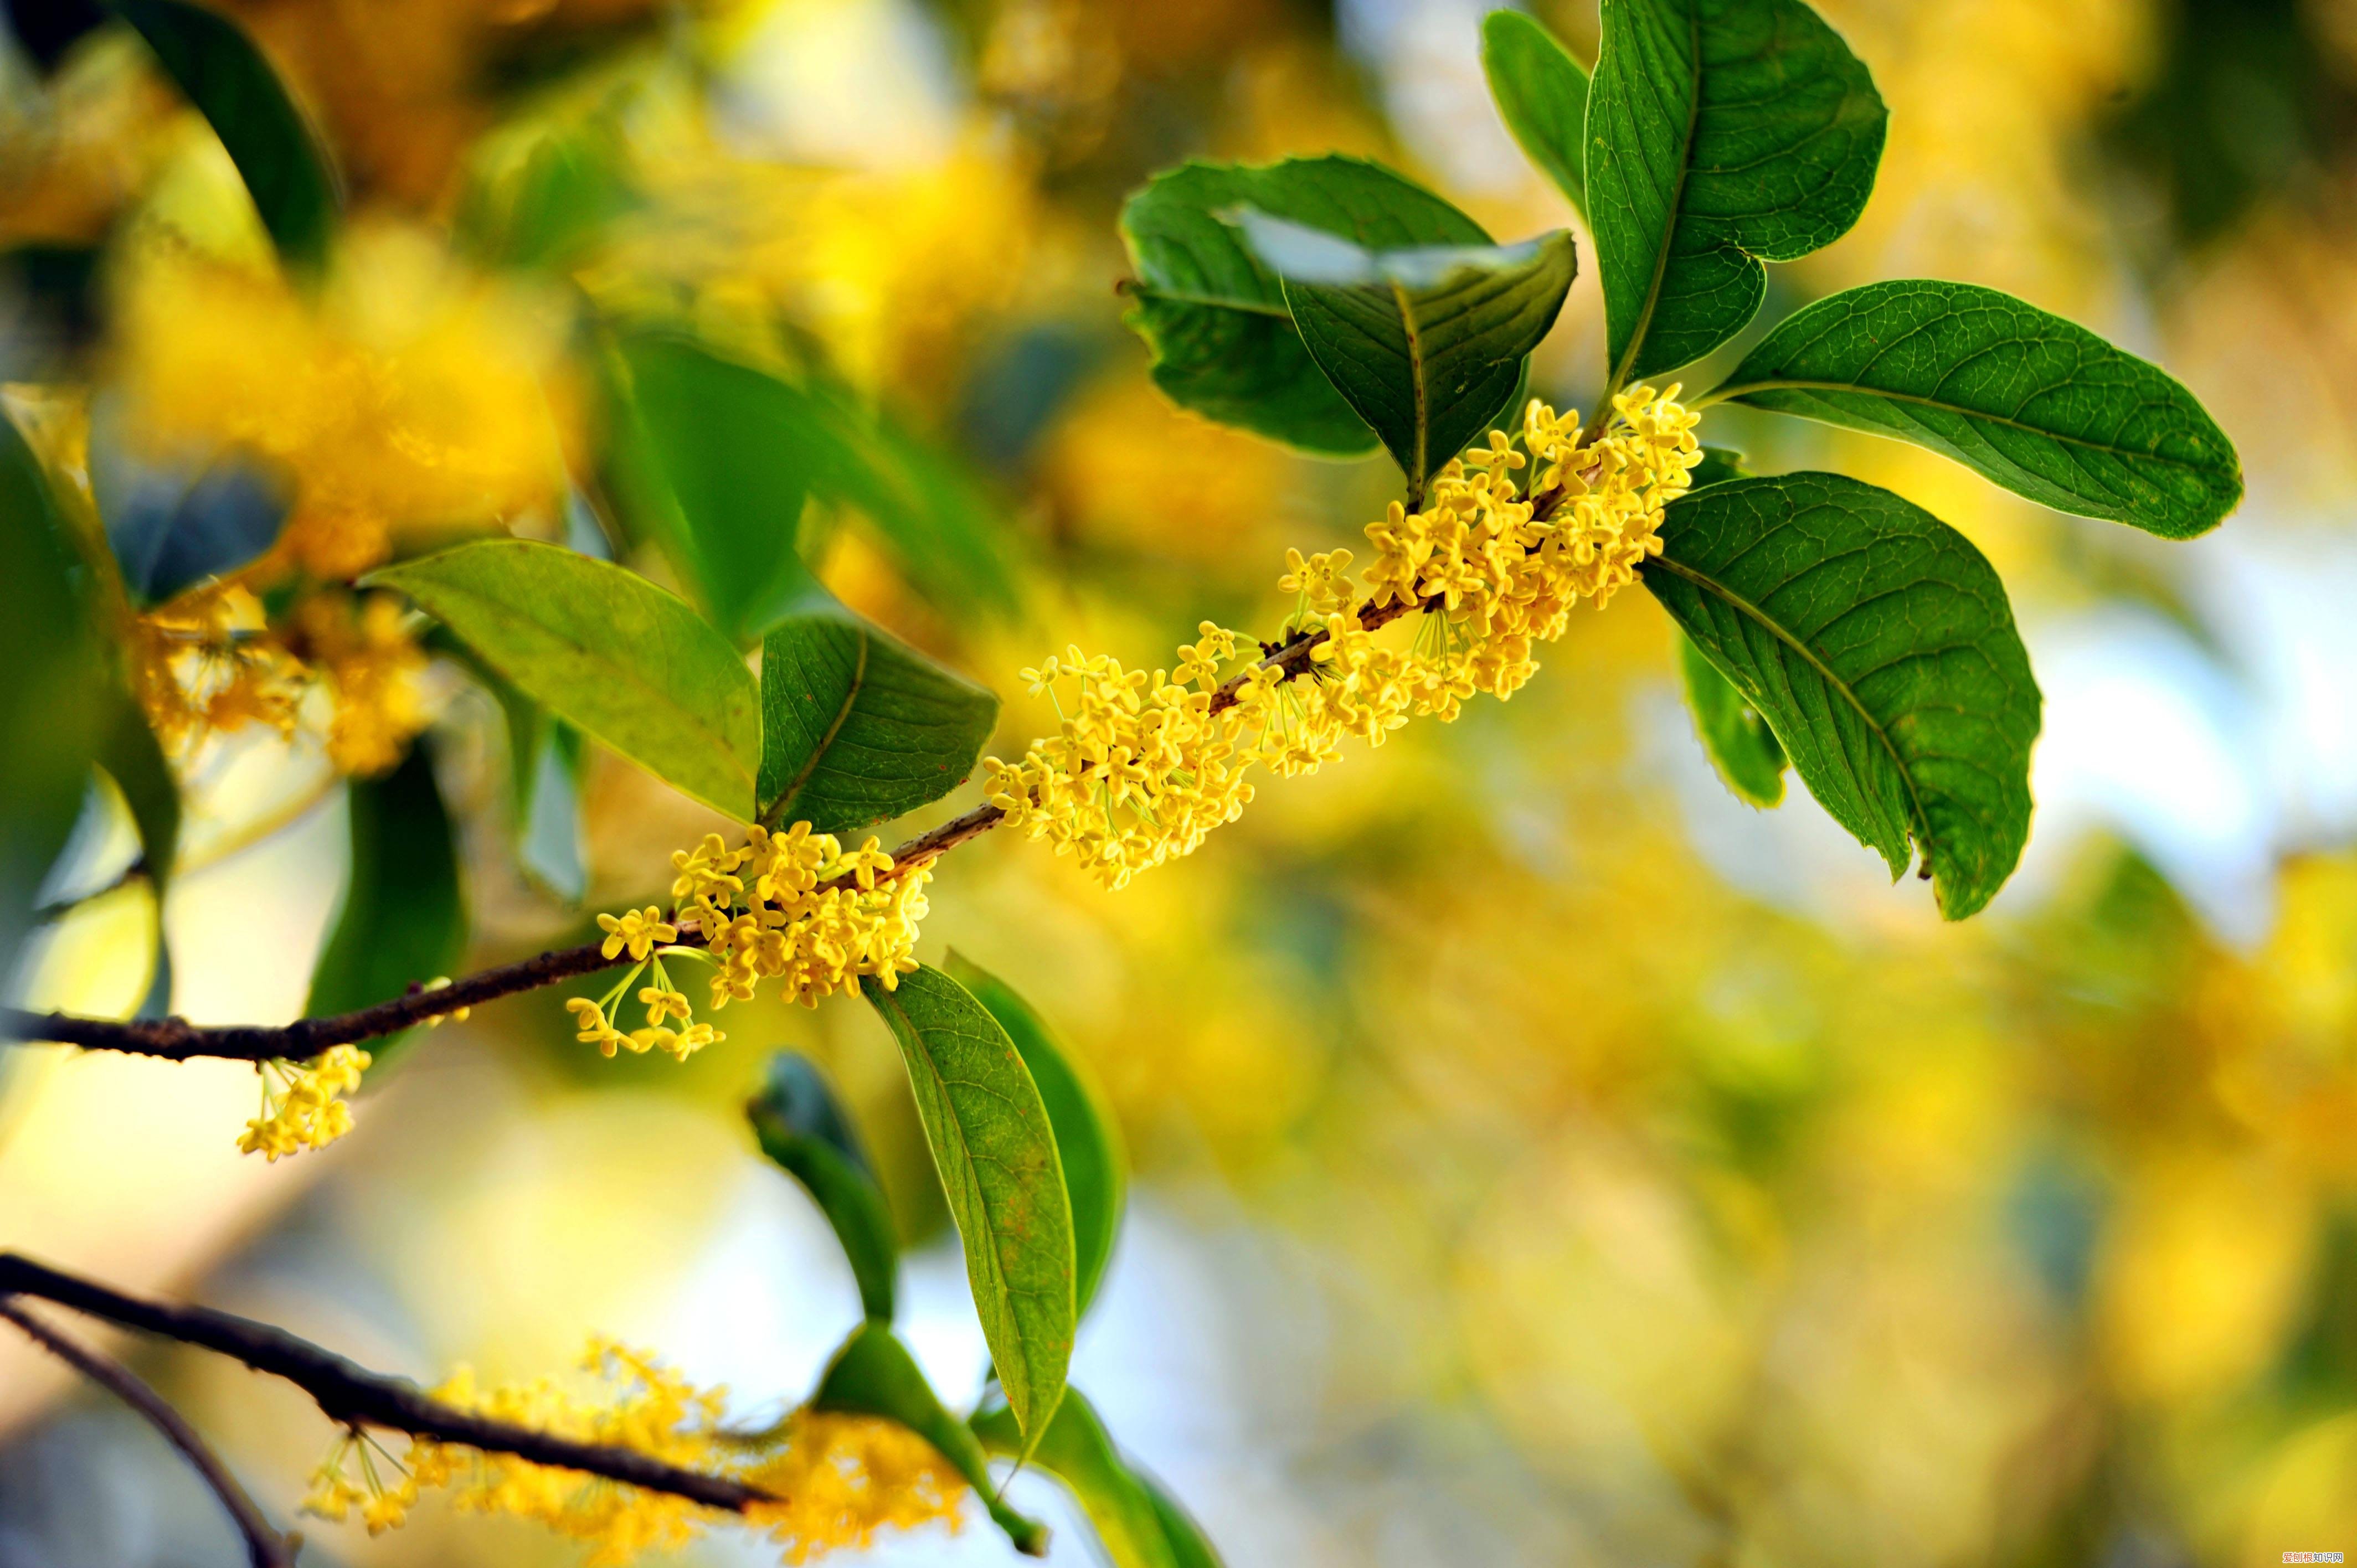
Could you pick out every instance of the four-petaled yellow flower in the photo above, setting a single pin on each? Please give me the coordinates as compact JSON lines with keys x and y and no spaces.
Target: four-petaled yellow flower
{"x":638,"y":930}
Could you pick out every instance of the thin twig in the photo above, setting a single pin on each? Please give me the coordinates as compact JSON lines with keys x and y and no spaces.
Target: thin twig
{"x":354,"y":1397}
{"x":177,"y":1039}
{"x":263,"y":1546}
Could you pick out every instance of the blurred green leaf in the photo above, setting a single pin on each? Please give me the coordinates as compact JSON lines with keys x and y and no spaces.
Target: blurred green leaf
{"x":1427,"y":343}
{"x":52,"y":705}
{"x":233,"y":85}
{"x":607,"y":651}
{"x":1096,"y":1168}
{"x":996,"y":1155}
{"x":873,"y":1374}
{"x":1542,"y":95}
{"x":858,"y":727}
{"x":172,"y":525}
{"x":715,"y":458}
{"x":548,"y":819}
{"x":1124,"y":1510}
{"x":550,"y":203}
{"x":1717,"y":462}
{"x":1215,"y":318}
{"x":1190,"y":1547}
{"x":403,"y":921}
{"x":1720,"y":134}
{"x":802,"y":1127}
{"x":1739,"y":741}
{"x":2037,"y":404}
{"x":1878,"y":645}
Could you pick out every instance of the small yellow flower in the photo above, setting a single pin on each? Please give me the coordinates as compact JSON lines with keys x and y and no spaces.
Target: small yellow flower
{"x":636,"y":930}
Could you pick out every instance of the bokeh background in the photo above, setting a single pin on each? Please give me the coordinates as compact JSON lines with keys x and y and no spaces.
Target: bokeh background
{"x":1542,"y":1157}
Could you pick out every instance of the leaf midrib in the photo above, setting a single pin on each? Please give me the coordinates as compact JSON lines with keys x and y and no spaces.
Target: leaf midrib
{"x":770,"y":818}
{"x":1620,"y":377}
{"x":1733,"y":392}
{"x":1745,"y":606}
{"x":982,"y":1210}
{"x":1416,"y":366}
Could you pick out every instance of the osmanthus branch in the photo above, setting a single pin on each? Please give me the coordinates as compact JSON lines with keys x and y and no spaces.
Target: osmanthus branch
{"x":354,"y":1397}
{"x":177,"y":1039}
{"x":264,"y":1547}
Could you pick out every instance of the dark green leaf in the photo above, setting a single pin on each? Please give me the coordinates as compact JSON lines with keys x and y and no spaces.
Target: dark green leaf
{"x":1720,"y":134}
{"x":996,"y":1153}
{"x":2040,"y":404}
{"x":803,"y":1128}
{"x":1739,"y":741}
{"x":1542,"y":95}
{"x":874,"y":1374}
{"x":174,"y":525}
{"x":51,"y":705}
{"x":403,"y":921}
{"x":128,"y":752}
{"x":1717,"y":462}
{"x":713,"y":457}
{"x":1427,"y":343}
{"x":1878,"y":645}
{"x":1223,"y":343}
{"x":1096,"y":1168}
{"x":226,"y":77}
{"x":1079,"y":1452}
{"x":608,"y":652}
{"x":935,"y":517}
{"x":856,"y":726}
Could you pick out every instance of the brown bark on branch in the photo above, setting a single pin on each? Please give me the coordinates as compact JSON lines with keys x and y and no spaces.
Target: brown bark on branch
{"x":177,"y":1039}
{"x":264,"y":1547}
{"x":352,"y":1396}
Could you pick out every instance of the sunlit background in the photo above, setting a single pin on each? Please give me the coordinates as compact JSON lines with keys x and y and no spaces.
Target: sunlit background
{"x":1543,"y":1158}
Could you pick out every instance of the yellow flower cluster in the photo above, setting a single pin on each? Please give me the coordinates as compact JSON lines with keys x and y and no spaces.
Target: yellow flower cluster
{"x":301,"y":1103}
{"x":1146,"y":765}
{"x":791,"y":906}
{"x":210,"y":663}
{"x":839,"y":1480}
{"x":844,"y":1478}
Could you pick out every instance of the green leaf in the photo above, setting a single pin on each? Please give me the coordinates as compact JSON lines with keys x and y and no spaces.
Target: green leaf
{"x":1542,"y":95}
{"x":1877,"y":644}
{"x":1740,"y":744}
{"x":1720,"y":134}
{"x":608,"y":652}
{"x":171,"y":525}
{"x":802,"y":1126}
{"x":1223,"y":343}
{"x":1427,"y":342}
{"x":874,"y":1374}
{"x":403,"y":921}
{"x":52,"y":705}
{"x":548,"y":819}
{"x":2040,"y":404}
{"x":1190,"y":1547}
{"x":716,"y":457}
{"x":1079,"y":1452}
{"x":231,"y":84}
{"x":712,"y":456}
{"x":1717,"y":462}
{"x":857,"y":726}
{"x":996,"y":1153}
{"x":127,"y":750}
{"x":1096,"y":1167}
